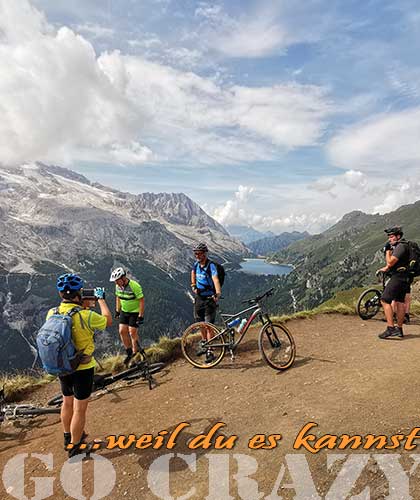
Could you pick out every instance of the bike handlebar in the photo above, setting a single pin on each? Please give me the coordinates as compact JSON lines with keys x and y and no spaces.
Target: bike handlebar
{"x":257,"y":299}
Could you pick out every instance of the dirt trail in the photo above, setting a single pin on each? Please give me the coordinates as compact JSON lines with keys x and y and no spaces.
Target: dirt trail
{"x":345,"y":379}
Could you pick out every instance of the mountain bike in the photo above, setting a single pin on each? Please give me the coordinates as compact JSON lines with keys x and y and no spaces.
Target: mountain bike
{"x":369,"y":302}
{"x":204,"y":346}
{"x":141,"y":370}
{"x":15,"y":411}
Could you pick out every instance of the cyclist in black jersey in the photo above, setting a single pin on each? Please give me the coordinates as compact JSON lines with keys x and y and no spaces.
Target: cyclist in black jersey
{"x":397,"y":261}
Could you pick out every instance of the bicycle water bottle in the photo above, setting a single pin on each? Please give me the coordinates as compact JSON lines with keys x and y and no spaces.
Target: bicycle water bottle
{"x":234,"y":322}
{"x":241,"y":326}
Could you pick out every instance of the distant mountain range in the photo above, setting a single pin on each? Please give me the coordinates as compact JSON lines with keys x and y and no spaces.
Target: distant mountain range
{"x":53,"y":220}
{"x":272,"y":244}
{"x":247,"y":234}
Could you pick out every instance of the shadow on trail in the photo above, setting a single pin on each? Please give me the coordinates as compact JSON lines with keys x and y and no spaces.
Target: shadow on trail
{"x":407,"y":336}
{"x":309,"y":359}
{"x":19,"y":435}
{"x":241,"y":365}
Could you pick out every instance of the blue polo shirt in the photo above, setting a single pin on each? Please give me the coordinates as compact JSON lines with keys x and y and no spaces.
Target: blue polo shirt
{"x":203,"y":278}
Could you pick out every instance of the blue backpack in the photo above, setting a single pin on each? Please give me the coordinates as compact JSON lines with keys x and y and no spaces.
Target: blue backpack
{"x":56,"y":349}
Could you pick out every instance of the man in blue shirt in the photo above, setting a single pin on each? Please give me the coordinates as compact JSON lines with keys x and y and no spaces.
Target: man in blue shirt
{"x":205,"y":285}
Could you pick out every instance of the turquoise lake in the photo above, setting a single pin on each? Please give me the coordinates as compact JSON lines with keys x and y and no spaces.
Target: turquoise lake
{"x":260,"y":266}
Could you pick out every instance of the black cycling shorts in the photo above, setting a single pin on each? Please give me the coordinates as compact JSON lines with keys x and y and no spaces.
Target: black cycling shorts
{"x":205,"y":309}
{"x":129,"y":319}
{"x":396,"y":288}
{"x":78,"y":384}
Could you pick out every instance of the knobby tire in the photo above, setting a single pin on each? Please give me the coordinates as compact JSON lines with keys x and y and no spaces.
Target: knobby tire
{"x":277,"y":346}
{"x":191,"y":342}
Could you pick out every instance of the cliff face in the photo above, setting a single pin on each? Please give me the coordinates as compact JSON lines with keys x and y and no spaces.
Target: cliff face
{"x":53,"y":214}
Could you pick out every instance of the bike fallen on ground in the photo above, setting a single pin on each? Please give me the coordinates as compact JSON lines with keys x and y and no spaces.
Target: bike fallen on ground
{"x":18,"y":411}
{"x":140,"y":370}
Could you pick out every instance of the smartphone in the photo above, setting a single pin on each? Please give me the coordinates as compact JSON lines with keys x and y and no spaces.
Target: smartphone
{"x":88,"y":293}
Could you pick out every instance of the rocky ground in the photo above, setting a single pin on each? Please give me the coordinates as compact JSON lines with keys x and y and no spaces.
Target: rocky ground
{"x":345,"y":380}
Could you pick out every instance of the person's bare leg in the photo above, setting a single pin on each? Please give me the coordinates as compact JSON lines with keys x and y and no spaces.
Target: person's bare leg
{"x":400,"y":313}
{"x":66,"y":412}
{"x":407,"y":303}
{"x":134,"y":334}
{"x":389,"y":313}
{"x":79,"y":419}
{"x":124,"y":335}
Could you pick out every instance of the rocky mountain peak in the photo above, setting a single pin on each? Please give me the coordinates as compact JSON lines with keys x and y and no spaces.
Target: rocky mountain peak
{"x":44,"y":207}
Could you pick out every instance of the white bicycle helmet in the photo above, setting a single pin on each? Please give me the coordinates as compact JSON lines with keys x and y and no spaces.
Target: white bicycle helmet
{"x":117,"y":274}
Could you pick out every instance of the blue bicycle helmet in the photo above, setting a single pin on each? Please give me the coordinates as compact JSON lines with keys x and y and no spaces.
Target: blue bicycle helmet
{"x":69,"y":282}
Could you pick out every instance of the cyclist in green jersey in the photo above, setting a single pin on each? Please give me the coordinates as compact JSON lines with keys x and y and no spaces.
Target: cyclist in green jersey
{"x":129,"y":308}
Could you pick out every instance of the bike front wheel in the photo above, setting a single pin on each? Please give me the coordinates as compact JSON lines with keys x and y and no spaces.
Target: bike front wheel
{"x":203,"y":345}
{"x":277,"y":346}
{"x":369,"y":303}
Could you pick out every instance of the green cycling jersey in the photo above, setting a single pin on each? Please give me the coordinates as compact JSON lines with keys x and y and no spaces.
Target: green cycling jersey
{"x":130,"y":296}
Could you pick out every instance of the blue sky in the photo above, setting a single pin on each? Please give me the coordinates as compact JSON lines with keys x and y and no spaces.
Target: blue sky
{"x":279,"y":114}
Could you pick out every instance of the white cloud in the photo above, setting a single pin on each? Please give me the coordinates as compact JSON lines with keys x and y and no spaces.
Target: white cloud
{"x":397,"y":194}
{"x":241,"y":210}
{"x":323,"y":185}
{"x":355,"y":179}
{"x":59,"y":99}
{"x":269,"y":27}
{"x":385,"y":143}
{"x":234,"y":211}
{"x":290,"y":115}
{"x":243,"y":193}
{"x":55,"y":98}
{"x":94,"y":30}
{"x":20,"y":22}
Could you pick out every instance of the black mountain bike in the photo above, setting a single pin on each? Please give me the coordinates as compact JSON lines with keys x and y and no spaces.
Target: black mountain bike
{"x":369,"y":302}
{"x":141,"y":370}
{"x":16,"y":411}
{"x":204,"y":346}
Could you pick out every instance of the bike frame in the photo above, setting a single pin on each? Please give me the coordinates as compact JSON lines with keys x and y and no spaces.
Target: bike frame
{"x":227,"y":317}
{"x":106,"y":379}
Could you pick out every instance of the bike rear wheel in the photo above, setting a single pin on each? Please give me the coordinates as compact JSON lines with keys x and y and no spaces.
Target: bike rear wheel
{"x":277,"y":346}
{"x":369,"y":303}
{"x":199,"y":352}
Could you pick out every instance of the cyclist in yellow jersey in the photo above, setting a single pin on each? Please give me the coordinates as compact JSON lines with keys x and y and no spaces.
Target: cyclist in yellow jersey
{"x":129,"y":308}
{"x":77,"y":387}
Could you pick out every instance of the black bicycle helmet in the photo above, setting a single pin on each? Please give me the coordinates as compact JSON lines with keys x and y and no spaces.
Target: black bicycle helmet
{"x":201,"y":247}
{"x":397,"y":230}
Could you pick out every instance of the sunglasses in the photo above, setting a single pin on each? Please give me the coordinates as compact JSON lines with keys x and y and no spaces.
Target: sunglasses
{"x":198,"y":253}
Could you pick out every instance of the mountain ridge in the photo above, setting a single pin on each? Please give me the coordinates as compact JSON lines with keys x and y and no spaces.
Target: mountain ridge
{"x":40,"y":201}
{"x":271,"y":244}
{"x":344,"y":256}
